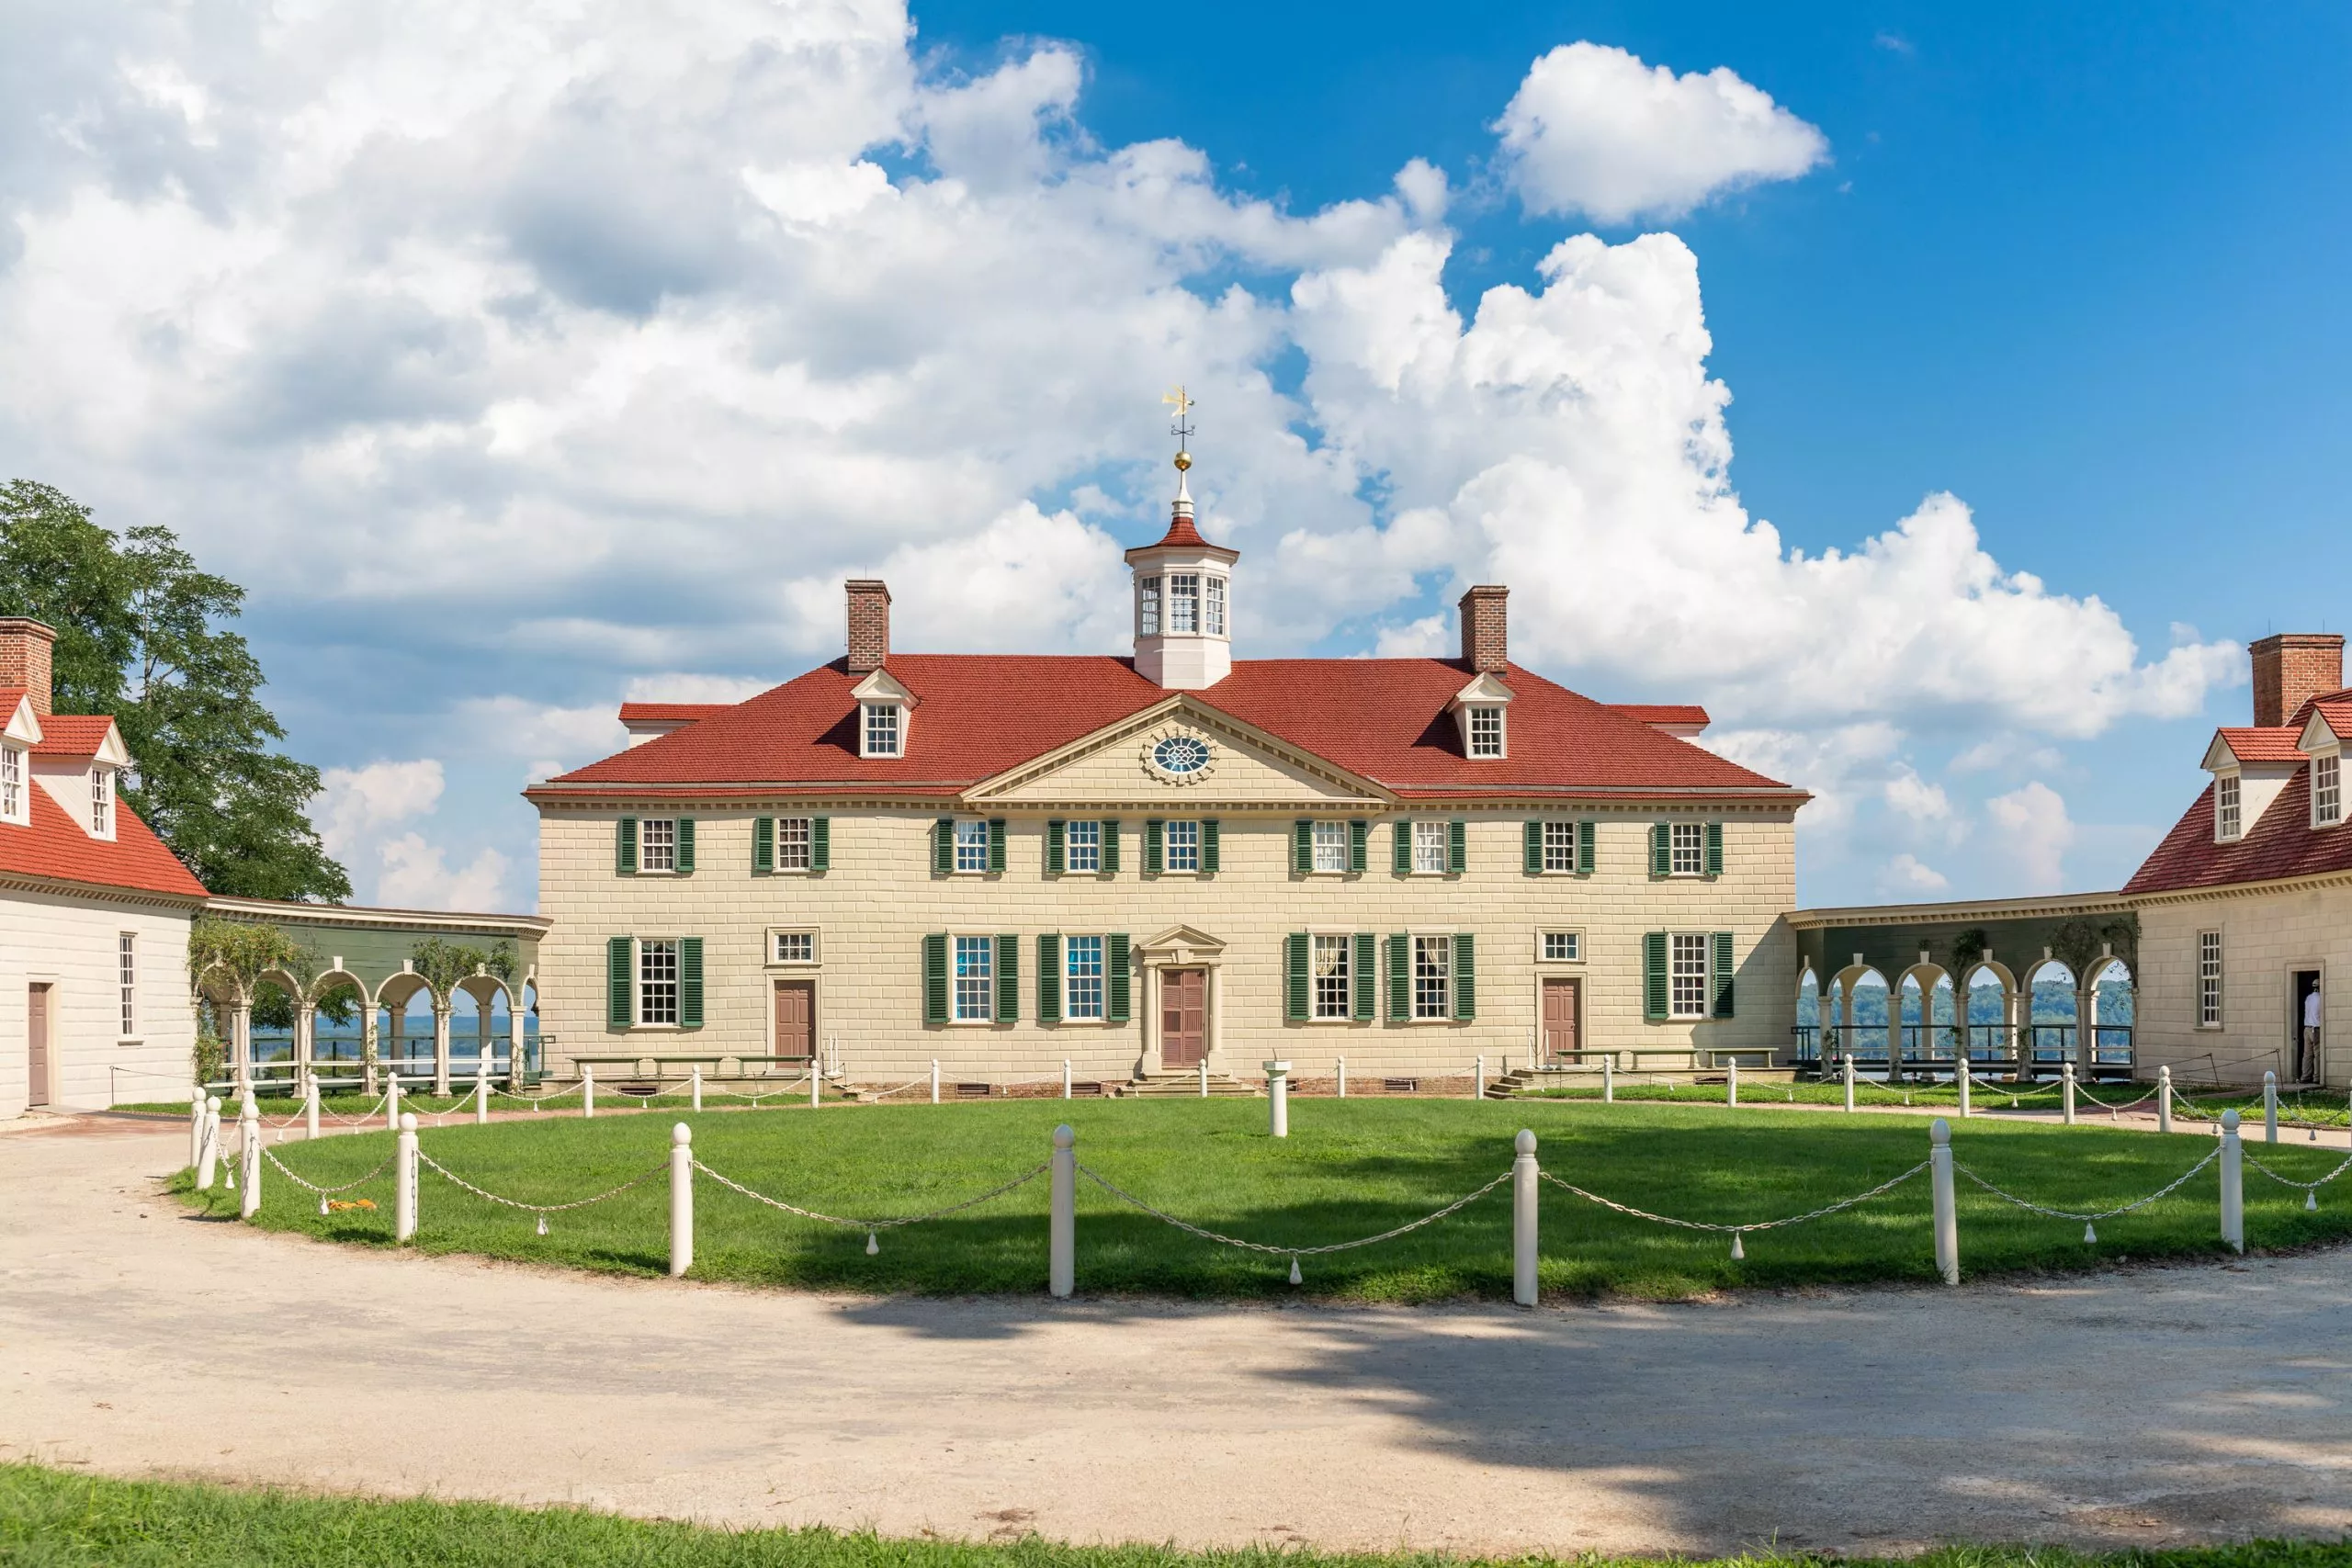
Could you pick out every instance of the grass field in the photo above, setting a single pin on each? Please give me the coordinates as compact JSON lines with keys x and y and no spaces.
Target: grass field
{"x":1350,"y":1169}
{"x":54,"y":1519}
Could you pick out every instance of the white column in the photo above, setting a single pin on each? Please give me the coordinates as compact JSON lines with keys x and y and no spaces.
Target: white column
{"x":1278,"y":1099}
{"x":682,"y":1200}
{"x":2232,"y":1183}
{"x":1343,"y":1078}
{"x":2163,"y":1100}
{"x":934,"y":1081}
{"x":305,"y":1016}
{"x":404,"y":1181}
{"x":249,"y":1160}
{"x":1947,"y":1211}
{"x":698,"y":1079}
{"x":1523,"y":1213}
{"x":2066,"y":1091}
{"x":587,"y":1088}
{"x":440,"y":1047}
{"x":517,"y":1041}
{"x":241,"y":1043}
{"x":310,"y":1111}
{"x":371,"y":1022}
{"x":1062,"y":1227}
{"x":2270,"y":1105}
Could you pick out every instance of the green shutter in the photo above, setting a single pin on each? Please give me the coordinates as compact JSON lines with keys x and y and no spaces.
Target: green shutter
{"x":1366,"y":967}
{"x":820,"y":843}
{"x":1008,"y":979}
{"x":1049,"y":978}
{"x":943,"y":846}
{"x":1458,"y":846}
{"x":1531,"y":847}
{"x":1401,"y":848}
{"x":1298,"y":991}
{"x":996,"y":846}
{"x":1111,"y":845}
{"x":1723,"y":974}
{"x":1053,"y":846}
{"x":1115,"y":974}
{"x":762,"y":844}
{"x":1715,"y":849}
{"x":685,"y":846}
{"x":625,"y":847}
{"x":1359,"y":834}
{"x":1151,"y":832}
{"x":1209,"y":846}
{"x":1301,"y":846}
{"x":620,"y":999}
{"x":690,"y":982}
{"x":1661,"y":850}
{"x":1466,"y":976}
{"x":1584,"y":847}
{"x":1654,"y":977}
{"x":1401,"y":977}
{"x":934,"y":978}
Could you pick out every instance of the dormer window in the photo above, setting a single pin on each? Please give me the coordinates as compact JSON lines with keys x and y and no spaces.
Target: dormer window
{"x":885,"y":709}
{"x":2226,"y":821}
{"x":881,"y":729}
{"x":102,"y":803}
{"x":1486,"y":732}
{"x":12,"y":785}
{"x":1478,"y":711}
{"x":2327,"y":790}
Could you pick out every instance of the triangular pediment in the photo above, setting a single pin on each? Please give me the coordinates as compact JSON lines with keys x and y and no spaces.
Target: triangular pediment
{"x":881,"y":687}
{"x":1485,"y":691}
{"x":24,"y":725}
{"x":1181,"y":754}
{"x":2318,"y":734}
{"x":1187,"y":940}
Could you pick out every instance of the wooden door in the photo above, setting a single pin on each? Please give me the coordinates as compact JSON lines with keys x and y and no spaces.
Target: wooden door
{"x":1560,"y":998}
{"x":1184,"y":1017}
{"x":37,"y":1090}
{"x":796,"y":1018}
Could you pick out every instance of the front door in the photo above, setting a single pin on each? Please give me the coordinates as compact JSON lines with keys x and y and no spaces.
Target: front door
{"x":796,"y":1019}
{"x":37,"y":1090}
{"x":1184,"y":1017}
{"x":1560,"y":998}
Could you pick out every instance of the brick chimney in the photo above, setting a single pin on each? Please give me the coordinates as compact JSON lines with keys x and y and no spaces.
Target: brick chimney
{"x":2289,"y":670}
{"x":1486,"y":639}
{"x":869,"y":624}
{"x":23,"y":657}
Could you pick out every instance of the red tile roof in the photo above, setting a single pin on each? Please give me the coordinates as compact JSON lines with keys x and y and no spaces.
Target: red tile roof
{"x":2335,"y":709}
{"x":979,"y":714}
{"x":2281,"y":842}
{"x":2303,"y":714}
{"x":54,"y":847}
{"x":71,"y":733}
{"x":2265,"y":745}
{"x":1664,"y":713}
{"x":670,"y":712}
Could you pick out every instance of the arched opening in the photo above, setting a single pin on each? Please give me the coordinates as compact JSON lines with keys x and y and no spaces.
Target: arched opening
{"x":1809,"y":1018}
{"x":1990,"y":1041}
{"x":1915,"y":1031}
{"x":2050,"y":1015}
{"x":404,"y":1038}
{"x":1870,"y":1005}
{"x":336,"y":1030}
{"x":2113,"y":1009}
{"x":272,"y":1032}
{"x":1944,"y":1021}
{"x":217,"y":997}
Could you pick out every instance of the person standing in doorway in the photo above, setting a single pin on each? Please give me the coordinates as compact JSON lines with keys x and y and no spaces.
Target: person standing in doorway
{"x":2307,"y":1069}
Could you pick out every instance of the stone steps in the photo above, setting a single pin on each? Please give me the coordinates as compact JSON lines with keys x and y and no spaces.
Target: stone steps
{"x":1187,"y":1086}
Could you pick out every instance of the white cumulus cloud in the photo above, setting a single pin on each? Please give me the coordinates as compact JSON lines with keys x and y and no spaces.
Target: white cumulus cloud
{"x":2032,"y":832}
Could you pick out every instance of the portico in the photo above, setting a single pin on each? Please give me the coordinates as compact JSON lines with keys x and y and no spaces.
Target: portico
{"x":1182,"y":980}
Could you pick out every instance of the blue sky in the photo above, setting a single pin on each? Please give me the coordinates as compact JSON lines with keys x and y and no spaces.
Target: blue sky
{"x":524,"y":369}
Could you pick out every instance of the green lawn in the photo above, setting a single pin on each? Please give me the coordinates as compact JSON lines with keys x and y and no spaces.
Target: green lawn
{"x":1349,"y":1170}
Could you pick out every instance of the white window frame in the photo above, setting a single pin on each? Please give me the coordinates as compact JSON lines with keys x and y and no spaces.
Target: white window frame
{"x":1086,"y":987}
{"x":984,"y":978}
{"x":646,"y":846}
{"x":1187,"y":829}
{"x":1328,"y":843}
{"x":651,"y":987}
{"x":1432,"y":982}
{"x":1183,"y":602}
{"x":1148,"y":606}
{"x":796,"y":843}
{"x":1574,"y":940}
{"x":15,"y":802}
{"x":1334,"y":1003}
{"x":882,"y":729}
{"x":1212,"y":616}
{"x":779,"y":935}
{"x":1082,"y":834}
{"x":1488,"y":739}
{"x":126,"y":977}
{"x":2327,"y":789}
{"x":1689,"y":993}
{"x":971,"y":834}
{"x":1559,"y":847}
{"x":2229,"y":821}
{"x":101,"y":802}
{"x":1686,"y":849}
{"x":1432,"y":847}
{"x":2209,"y":980}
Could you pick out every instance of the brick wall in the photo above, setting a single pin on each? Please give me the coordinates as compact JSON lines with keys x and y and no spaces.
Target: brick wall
{"x":2291,"y":668}
{"x":24,"y":650}
{"x":1485,"y":641}
{"x":869,"y":624}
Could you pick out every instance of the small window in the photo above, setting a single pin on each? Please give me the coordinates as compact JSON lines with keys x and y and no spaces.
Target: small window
{"x":1147,"y":606}
{"x":1330,"y":846}
{"x":1688,"y":848}
{"x":1429,"y":848}
{"x":126,"y":976}
{"x":881,"y":729}
{"x":1183,"y":602}
{"x":1559,"y":846}
{"x":1082,"y":978}
{"x":657,"y":982}
{"x":102,"y":802}
{"x":1082,"y":846}
{"x":2327,"y":795}
{"x":1689,"y":976}
{"x":792,"y":838}
{"x":1432,"y":976}
{"x":1212,"y":613}
{"x":974,"y":979}
{"x":12,"y":783}
{"x":2209,"y":979}
{"x":1332,"y":964}
{"x":2225,"y":808}
{"x":657,"y":844}
{"x":796,"y":947}
{"x":1562,"y":947}
{"x":1486,"y":732}
{"x":1183,"y":852}
{"x":971,"y":844}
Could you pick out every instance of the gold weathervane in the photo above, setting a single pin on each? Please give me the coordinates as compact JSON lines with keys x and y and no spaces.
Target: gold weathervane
{"x":1183,"y":429}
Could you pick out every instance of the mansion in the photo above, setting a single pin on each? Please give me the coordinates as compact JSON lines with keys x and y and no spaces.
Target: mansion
{"x":1146,"y":863}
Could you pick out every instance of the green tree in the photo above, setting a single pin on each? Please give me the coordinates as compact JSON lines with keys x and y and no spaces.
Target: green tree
{"x":142,"y":636}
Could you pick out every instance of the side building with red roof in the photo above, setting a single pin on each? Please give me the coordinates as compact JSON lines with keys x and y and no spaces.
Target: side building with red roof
{"x":94,"y":912}
{"x":1145,"y":864}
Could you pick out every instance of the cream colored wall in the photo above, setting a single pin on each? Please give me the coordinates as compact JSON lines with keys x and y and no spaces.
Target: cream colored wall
{"x":69,"y":943}
{"x":2264,"y":936}
{"x":880,"y":897}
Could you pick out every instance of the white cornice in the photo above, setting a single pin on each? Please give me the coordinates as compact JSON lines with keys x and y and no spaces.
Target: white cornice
{"x":1952,"y":914}
{"x":526,"y":928}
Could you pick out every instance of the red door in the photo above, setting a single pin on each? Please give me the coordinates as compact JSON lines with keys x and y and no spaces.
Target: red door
{"x":1560,"y":1018}
{"x":1184,"y":1017}
{"x":796,"y":1019}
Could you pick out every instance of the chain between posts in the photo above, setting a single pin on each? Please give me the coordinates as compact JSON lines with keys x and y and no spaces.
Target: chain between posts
{"x":450,"y":1176}
{"x":1126,"y":1197}
{"x":2342,"y":1166}
{"x":871,"y":1225}
{"x":2163,"y":1191}
{"x":271,"y":1155}
{"x":1884,"y":1186}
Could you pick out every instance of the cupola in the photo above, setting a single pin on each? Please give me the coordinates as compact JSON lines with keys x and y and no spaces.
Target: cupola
{"x":1184,"y":600}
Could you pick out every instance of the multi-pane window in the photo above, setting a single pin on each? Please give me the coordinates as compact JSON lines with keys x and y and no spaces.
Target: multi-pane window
{"x":1429,"y":847}
{"x":971,"y":844}
{"x":2327,"y":792}
{"x":657,"y":844}
{"x":796,"y":947}
{"x":1562,"y":947}
{"x":791,"y":843}
{"x":1686,"y":975}
{"x":1332,"y":976}
{"x":1330,"y":846}
{"x":1183,"y":602}
{"x":102,"y":801}
{"x":881,"y":729}
{"x":1148,"y":606}
{"x":1687,"y":844}
{"x":1559,"y":846}
{"x":1082,"y":978}
{"x":12,"y":783}
{"x":1082,"y":846}
{"x":126,"y":976}
{"x":1486,"y":732}
{"x":2225,"y":806}
{"x":974,"y":979}
{"x":1213,"y":611}
{"x":1432,"y":976}
{"x":1183,"y":850}
{"x":657,"y":982}
{"x":2209,"y":979}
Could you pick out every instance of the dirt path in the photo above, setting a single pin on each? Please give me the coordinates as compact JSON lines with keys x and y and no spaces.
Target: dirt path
{"x":2147,"y":1407}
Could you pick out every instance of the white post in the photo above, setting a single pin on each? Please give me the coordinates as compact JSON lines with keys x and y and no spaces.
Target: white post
{"x":1947,"y":1210}
{"x":697,"y":1077}
{"x":934,"y":1081}
{"x":587,"y":1088}
{"x":392,"y":1102}
{"x":816,"y":1077}
{"x":310,"y":1110}
{"x":1609,"y":1079}
{"x":2232,"y":1183}
{"x":404,"y":1181}
{"x":1066,"y":1084}
{"x":1523,"y":1220}
{"x":1478,"y":1079}
{"x":1061,"y":1228}
{"x":2270,"y":1107}
{"x":249,"y":1160}
{"x":481,"y":1093}
{"x":2163,"y":1100}
{"x":1961,"y":1077}
{"x":209,"y":1151}
{"x":1731,"y":1084}
{"x":1278,"y":1099}
{"x":1204,"y":1077}
{"x":682,"y":1200}
{"x":1849,"y":1080}
{"x":1343,"y":1078}
{"x":2066,"y":1088}
{"x":196,"y":1126}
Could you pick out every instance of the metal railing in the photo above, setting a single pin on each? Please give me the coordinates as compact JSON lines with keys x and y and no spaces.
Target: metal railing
{"x":1932,"y":1048}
